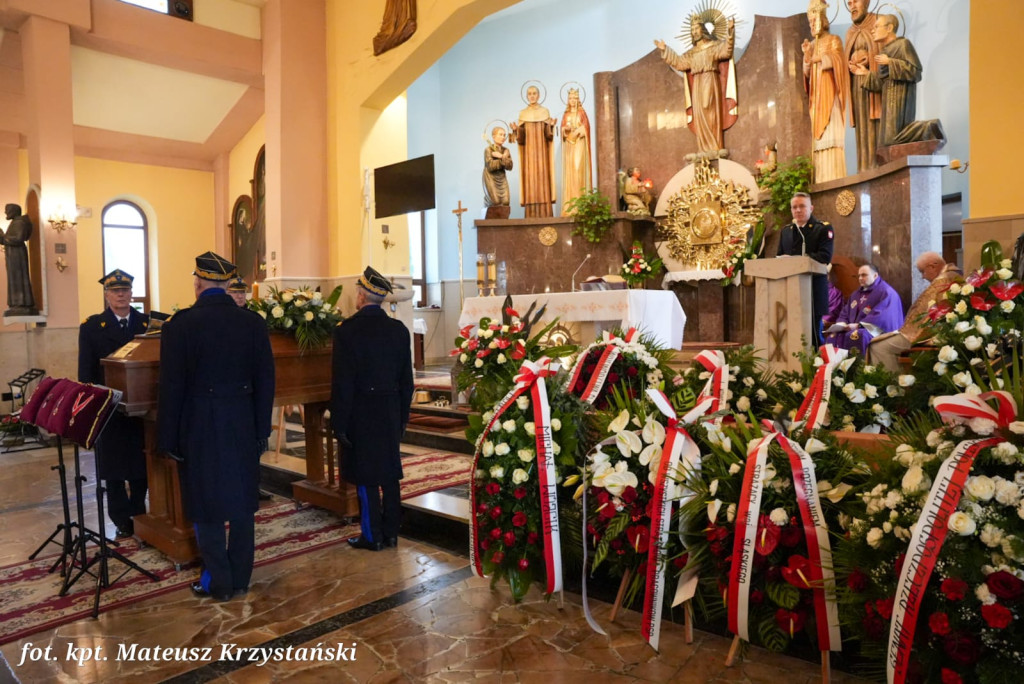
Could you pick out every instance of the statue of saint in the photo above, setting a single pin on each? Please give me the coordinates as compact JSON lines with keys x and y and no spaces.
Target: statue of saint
{"x":20,"y":301}
{"x":825,"y":77}
{"x":865,"y":106}
{"x":535,"y":133}
{"x":710,"y":79}
{"x":497,"y":160}
{"x":397,"y":26}
{"x":899,"y":70}
{"x":576,"y":176}
{"x":633,"y":192}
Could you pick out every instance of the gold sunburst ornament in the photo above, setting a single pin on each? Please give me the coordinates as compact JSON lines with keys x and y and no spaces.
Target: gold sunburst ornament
{"x":708,"y":218}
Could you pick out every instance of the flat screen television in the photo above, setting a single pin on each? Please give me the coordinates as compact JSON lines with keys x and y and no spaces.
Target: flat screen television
{"x":404,"y":187}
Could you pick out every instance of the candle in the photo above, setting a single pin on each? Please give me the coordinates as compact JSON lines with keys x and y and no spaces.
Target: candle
{"x":255,"y":290}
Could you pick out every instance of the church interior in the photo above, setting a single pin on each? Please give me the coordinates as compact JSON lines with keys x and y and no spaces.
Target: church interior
{"x":136,"y":134}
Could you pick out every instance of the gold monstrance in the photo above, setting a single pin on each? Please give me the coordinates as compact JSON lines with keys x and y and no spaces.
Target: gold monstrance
{"x":708,"y":218}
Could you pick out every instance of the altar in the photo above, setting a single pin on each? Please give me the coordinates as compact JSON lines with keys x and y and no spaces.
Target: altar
{"x":585,"y":315}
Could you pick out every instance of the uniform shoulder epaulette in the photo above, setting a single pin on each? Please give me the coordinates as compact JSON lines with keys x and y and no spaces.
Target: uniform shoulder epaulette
{"x":825,"y":223}
{"x":93,"y":318}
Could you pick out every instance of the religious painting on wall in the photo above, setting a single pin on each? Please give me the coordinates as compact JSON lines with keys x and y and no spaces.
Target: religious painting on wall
{"x":248,"y":226}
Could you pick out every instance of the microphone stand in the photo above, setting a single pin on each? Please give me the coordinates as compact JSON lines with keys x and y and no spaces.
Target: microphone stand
{"x":585,"y":260}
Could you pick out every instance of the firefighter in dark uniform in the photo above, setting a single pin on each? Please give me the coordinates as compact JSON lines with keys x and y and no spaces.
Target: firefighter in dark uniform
{"x":120,"y":459}
{"x":237,"y":289}
{"x":216,"y":395}
{"x":808,"y":236}
{"x":371,"y":392}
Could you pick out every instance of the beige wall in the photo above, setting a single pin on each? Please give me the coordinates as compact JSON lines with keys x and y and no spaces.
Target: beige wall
{"x":179,"y":208}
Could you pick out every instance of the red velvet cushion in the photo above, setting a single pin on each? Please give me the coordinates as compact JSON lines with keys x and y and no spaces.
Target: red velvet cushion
{"x":31,"y":408}
{"x":46,"y":417}
{"x":84,"y":413}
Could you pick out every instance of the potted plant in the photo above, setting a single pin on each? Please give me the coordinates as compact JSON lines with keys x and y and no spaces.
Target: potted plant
{"x":592,"y":213}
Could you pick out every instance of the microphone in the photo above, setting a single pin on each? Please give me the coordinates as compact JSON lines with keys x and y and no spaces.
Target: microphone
{"x":585,"y":259}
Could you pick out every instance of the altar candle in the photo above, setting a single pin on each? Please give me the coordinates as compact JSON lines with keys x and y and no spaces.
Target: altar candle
{"x":255,"y":290}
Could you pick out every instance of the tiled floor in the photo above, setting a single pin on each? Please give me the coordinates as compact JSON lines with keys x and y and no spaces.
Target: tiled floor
{"x":410,"y":614}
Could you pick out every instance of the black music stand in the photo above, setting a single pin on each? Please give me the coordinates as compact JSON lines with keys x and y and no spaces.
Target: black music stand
{"x":98,"y":565}
{"x":65,"y":528}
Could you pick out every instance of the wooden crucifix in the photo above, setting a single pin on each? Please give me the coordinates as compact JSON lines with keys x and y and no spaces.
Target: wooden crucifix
{"x":459,"y":212}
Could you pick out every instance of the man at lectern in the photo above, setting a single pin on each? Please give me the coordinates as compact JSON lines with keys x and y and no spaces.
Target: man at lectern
{"x":807,"y":236}
{"x":120,"y":459}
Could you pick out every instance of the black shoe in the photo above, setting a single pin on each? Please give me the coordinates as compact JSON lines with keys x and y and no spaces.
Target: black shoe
{"x":198,"y":590}
{"x":240,"y":592}
{"x":364,"y":543}
{"x":390,"y":542}
{"x":124,"y":532}
{"x":265,"y":496}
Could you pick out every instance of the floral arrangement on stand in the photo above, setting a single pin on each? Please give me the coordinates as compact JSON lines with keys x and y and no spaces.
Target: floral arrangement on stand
{"x":488,"y":355}
{"x":751,"y":388}
{"x":861,"y":397}
{"x":508,"y":535}
{"x":743,"y":251}
{"x":975,"y":323}
{"x":302,"y":312}
{"x":777,"y":572}
{"x":639,"y":268}
{"x":628,"y":361}
{"x":934,"y":561}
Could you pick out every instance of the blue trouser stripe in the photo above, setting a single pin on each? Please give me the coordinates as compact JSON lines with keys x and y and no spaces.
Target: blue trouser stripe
{"x":364,"y":513}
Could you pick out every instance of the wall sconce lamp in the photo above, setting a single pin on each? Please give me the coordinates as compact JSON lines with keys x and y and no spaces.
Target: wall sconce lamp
{"x":61,"y":264}
{"x":389,"y":243}
{"x":959,"y":166}
{"x":60,"y":221}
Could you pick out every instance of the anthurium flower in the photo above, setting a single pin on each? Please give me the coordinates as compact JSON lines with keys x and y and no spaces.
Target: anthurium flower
{"x":790,"y":621}
{"x":650,"y":456}
{"x":1006,"y":290}
{"x":628,"y":443}
{"x":767,"y":536}
{"x":519,"y":353}
{"x":639,"y":537}
{"x":620,"y":422}
{"x":982,"y":302}
{"x":798,"y":572}
{"x":939,"y":311}
{"x":654,"y":432}
{"x":979,"y":278}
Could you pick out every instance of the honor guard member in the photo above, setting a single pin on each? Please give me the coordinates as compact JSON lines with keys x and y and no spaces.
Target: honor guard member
{"x":120,"y":460}
{"x":237,"y":289}
{"x":371,"y":392}
{"x":216,"y":395}
{"x":807,"y":236}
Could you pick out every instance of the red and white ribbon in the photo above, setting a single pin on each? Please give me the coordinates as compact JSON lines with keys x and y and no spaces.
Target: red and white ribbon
{"x":815,"y":405}
{"x":933,"y":525}
{"x":679,"y":446}
{"x":530,"y":378}
{"x":602,"y":368}
{"x":717,"y":386}
{"x":822,"y":577}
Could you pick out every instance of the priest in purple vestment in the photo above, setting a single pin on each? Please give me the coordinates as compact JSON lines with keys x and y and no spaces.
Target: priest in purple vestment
{"x":874,"y":308}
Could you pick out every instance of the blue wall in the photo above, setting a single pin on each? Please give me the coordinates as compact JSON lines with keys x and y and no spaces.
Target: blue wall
{"x":556,"y":41}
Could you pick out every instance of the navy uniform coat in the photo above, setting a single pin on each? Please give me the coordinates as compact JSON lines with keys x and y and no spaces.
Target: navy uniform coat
{"x":216,"y":397}
{"x":119,"y":450}
{"x":815,"y":240}
{"x":371,"y":392}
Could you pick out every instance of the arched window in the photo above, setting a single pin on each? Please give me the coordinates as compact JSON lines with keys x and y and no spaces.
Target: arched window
{"x":125,"y":246}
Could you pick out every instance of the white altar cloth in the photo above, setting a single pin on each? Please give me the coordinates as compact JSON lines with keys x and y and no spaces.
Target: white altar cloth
{"x":654,"y":312}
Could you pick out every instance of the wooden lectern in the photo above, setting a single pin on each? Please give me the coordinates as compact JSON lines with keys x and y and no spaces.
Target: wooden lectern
{"x":782,"y":306}
{"x":301,"y":378}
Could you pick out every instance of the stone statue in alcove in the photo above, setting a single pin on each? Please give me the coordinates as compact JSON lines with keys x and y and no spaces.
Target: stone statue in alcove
{"x":20,"y":301}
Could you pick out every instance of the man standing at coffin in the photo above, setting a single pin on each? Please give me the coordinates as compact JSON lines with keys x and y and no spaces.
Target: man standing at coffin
{"x":807,"y":236}
{"x":120,"y":459}
{"x":216,"y":396}
{"x":237,"y":290}
{"x":371,"y":392}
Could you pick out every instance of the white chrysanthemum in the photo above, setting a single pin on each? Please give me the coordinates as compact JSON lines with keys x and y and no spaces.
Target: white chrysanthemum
{"x":915,"y":480}
{"x":761,"y":395}
{"x":743,"y":404}
{"x":893,"y":499}
{"x":904,"y":455}
{"x":980,"y":488}
{"x":874,"y":537}
{"x":962,"y":524}
{"x":982,"y":426}
{"x":983,"y":594}
{"x":934,"y":438}
{"x":991,"y":535}
{"x":779,"y":516}
{"x":1006,"y":452}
